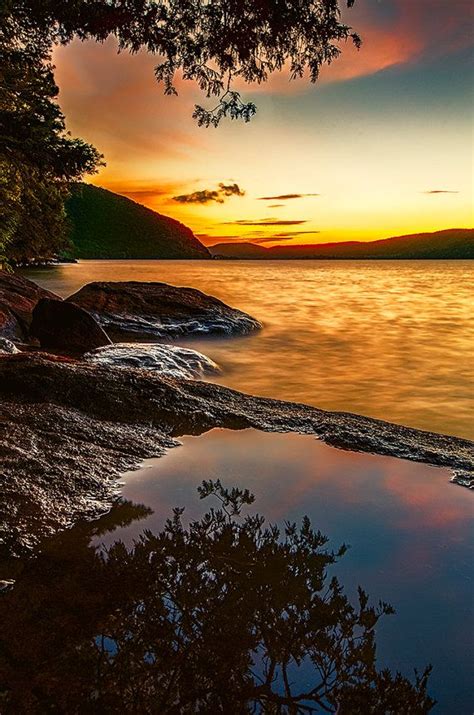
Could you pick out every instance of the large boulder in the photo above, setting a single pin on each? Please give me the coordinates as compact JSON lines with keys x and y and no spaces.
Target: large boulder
{"x":139,"y":311}
{"x":66,"y":327}
{"x":18,"y":297}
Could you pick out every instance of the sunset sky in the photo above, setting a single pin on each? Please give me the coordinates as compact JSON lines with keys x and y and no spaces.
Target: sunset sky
{"x":381,"y":146}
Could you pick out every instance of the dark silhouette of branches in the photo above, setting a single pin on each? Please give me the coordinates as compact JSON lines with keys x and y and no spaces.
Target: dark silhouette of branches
{"x":211,"y":42}
{"x":219,"y":616}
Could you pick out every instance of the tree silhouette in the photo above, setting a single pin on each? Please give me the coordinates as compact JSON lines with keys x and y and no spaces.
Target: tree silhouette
{"x":219,"y":616}
{"x":212,"y":42}
{"x":38,"y":158}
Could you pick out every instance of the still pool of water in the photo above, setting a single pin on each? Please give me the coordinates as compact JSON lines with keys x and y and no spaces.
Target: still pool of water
{"x":409,"y":531}
{"x":387,"y":339}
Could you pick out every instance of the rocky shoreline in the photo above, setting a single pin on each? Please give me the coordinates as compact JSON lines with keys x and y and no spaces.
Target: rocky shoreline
{"x":71,"y":426}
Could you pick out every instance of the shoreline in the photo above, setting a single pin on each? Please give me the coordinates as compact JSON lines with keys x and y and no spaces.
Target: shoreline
{"x":70,"y":429}
{"x":79,"y":407}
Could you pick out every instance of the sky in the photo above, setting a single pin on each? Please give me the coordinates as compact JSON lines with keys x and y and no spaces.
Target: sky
{"x":380,"y":146}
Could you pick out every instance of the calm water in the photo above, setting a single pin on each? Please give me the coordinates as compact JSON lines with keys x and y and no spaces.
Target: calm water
{"x":388,"y":339}
{"x":409,"y":530}
{"x":410,"y":536}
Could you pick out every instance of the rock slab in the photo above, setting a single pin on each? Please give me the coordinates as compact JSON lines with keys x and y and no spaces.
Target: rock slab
{"x":141,"y":311}
{"x":67,"y":428}
{"x":169,"y":360}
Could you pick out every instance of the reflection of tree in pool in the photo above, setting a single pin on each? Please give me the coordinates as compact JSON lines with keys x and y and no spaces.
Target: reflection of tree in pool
{"x":217,"y":617}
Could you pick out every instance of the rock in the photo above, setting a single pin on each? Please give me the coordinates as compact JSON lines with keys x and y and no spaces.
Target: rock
{"x":67,"y":327}
{"x":6,"y":346}
{"x":139,"y":311}
{"x":465,"y":478}
{"x":18,"y":297}
{"x":167,"y":360}
{"x":69,"y":427}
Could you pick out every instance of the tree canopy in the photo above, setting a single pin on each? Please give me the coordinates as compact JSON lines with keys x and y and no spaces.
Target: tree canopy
{"x":224,"y":615}
{"x":212,"y":42}
{"x":38,"y":158}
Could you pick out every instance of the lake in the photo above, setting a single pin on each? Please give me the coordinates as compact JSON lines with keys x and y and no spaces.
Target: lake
{"x":386,"y":339}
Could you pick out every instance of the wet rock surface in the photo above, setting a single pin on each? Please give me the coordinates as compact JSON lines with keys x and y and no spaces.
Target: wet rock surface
{"x":135,"y":310}
{"x":6,"y":346}
{"x":18,"y":297}
{"x":169,"y":360}
{"x":59,"y":325}
{"x":60,"y":465}
{"x":68,"y":428}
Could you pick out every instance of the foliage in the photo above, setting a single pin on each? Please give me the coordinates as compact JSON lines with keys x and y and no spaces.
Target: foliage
{"x":213,"y":43}
{"x":219,"y":616}
{"x":38,"y":158}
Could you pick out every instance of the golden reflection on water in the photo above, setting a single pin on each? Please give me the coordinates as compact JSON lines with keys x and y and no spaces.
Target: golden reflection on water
{"x":388,"y":339}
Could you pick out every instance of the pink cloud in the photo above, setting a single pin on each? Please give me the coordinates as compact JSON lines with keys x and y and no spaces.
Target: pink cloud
{"x":114,"y":101}
{"x":414,"y":31}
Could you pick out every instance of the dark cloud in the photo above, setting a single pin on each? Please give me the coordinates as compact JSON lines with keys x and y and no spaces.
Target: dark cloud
{"x":206,"y":196}
{"x":199,"y":197}
{"x":231,"y":190}
{"x":292,"y":234}
{"x":285,"y":197}
{"x":265,"y":222}
{"x":275,"y":206}
{"x":253,"y":237}
{"x":440,"y":191}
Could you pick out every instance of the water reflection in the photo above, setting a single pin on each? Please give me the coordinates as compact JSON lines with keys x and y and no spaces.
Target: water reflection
{"x":409,"y":529}
{"x":219,"y":616}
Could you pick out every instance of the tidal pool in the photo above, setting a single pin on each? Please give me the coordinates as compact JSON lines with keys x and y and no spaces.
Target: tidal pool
{"x":408,"y":528}
{"x":409,"y":531}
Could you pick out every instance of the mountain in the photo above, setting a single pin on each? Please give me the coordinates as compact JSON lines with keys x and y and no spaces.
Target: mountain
{"x":451,"y":243}
{"x":107,"y":225}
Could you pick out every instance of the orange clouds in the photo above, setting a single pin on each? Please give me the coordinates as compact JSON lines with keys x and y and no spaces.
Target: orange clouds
{"x":113,"y":100}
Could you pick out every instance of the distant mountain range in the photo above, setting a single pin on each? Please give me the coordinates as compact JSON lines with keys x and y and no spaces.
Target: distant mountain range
{"x":108,"y":225}
{"x":451,"y":243}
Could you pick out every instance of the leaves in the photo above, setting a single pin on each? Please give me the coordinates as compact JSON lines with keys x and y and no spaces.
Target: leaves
{"x":210,"y":43}
{"x":38,"y":158}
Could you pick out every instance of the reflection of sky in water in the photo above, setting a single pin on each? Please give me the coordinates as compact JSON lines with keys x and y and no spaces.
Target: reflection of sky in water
{"x":407,"y":526}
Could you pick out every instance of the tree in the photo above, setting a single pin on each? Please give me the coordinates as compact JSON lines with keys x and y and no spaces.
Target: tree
{"x":38,"y":158}
{"x":216,"y":617}
{"x":212,"y":42}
